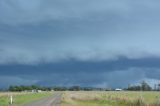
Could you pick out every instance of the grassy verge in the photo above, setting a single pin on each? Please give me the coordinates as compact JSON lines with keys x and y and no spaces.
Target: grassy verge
{"x":21,"y":98}
{"x":111,"y":99}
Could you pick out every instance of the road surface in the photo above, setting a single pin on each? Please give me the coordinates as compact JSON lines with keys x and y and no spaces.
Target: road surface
{"x":47,"y":101}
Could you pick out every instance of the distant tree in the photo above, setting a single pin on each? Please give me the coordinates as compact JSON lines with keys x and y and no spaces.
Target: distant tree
{"x":60,"y":88}
{"x":142,"y":87}
{"x":134,"y":88}
{"x":75,"y":88}
{"x":11,"y":88}
{"x":87,"y":88}
{"x":145,"y":86}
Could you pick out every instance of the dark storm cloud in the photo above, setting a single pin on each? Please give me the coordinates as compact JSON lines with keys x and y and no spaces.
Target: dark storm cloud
{"x":117,"y":73}
{"x":98,"y":31}
{"x":74,"y":66}
{"x":86,"y":42}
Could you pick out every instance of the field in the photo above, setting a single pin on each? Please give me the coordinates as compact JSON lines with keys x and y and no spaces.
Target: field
{"x":89,"y":98}
{"x":111,"y":98}
{"x":20,"y":98}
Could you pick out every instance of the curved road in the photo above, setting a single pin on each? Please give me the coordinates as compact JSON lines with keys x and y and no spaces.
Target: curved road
{"x":47,"y":101}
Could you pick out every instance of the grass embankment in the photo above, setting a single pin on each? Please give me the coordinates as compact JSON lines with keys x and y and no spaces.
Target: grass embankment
{"x":111,"y":99}
{"x":21,"y":98}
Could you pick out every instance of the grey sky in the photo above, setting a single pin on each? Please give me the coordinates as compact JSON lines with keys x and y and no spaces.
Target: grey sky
{"x":37,"y":32}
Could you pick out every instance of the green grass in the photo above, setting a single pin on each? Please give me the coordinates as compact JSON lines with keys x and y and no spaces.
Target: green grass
{"x":3,"y":101}
{"x":22,"y":98}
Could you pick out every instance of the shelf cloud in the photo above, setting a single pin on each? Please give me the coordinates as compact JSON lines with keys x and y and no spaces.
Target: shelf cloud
{"x":45,"y":33}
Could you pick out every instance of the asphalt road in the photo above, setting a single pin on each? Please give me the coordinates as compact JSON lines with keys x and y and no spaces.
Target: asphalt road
{"x":47,"y":101}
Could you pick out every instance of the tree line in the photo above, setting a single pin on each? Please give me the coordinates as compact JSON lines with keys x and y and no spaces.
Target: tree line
{"x":143,"y":86}
{"x":56,"y":88}
{"x":29,"y":87}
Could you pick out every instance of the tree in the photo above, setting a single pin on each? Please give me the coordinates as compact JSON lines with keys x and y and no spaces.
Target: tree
{"x":142,"y":87}
{"x":75,"y":88}
{"x":145,"y":86}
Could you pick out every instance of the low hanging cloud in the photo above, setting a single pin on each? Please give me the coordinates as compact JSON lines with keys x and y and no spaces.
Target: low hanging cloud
{"x":34,"y":33}
{"x":115,"y":73}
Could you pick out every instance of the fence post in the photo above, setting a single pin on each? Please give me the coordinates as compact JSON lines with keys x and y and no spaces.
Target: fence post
{"x":11,"y":99}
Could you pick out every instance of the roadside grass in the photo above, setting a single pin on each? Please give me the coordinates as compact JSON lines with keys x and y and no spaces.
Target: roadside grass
{"x":96,"y":103}
{"x":124,"y":98}
{"x":21,"y":98}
